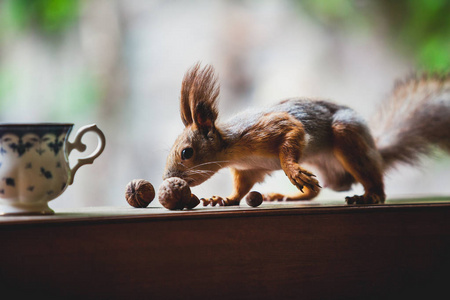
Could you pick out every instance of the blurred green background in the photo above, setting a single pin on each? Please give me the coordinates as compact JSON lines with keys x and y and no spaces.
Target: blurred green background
{"x":418,"y":29}
{"x":119,"y":64}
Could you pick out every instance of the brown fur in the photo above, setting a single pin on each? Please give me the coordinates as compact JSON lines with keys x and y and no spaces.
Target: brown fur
{"x":357,"y":153}
{"x":284,"y":143}
{"x":329,"y":136}
{"x":199,"y":92}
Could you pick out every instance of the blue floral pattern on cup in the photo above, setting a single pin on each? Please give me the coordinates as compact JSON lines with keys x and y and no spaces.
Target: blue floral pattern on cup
{"x":34,"y":167}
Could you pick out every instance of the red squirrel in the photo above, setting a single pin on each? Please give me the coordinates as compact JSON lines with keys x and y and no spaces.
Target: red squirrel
{"x":331,"y":137}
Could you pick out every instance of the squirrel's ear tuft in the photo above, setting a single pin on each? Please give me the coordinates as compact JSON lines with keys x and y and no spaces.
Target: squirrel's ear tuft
{"x":203,"y":94}
{"x":186,"y":86}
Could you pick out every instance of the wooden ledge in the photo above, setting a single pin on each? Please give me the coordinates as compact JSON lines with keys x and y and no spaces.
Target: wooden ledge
{"x":127,"y":213}
{"x":296,"y":250}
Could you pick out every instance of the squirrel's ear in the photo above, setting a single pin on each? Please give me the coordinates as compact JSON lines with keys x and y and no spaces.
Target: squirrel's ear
{"x":202,"y":99}
{"x":205,"y":116}
{"x":186,"y":86}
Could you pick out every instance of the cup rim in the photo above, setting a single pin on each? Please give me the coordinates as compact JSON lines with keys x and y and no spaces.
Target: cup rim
{"x":49,"y":124}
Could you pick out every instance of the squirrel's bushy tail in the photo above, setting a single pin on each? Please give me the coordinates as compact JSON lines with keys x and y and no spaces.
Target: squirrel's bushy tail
{"x":413,"y":120}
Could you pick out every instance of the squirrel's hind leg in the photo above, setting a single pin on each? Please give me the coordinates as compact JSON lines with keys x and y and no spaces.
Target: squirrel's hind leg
{"x":354,"y":148}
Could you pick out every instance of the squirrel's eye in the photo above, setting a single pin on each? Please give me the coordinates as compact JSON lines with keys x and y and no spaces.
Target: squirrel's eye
{"x":187,"y":153}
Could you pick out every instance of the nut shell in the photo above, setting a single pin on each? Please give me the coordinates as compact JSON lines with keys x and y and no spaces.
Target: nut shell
{"x":193,"y":202}
{"x":174,"y":193}
{"x":139,"y":193}
{"x":254,"y":199}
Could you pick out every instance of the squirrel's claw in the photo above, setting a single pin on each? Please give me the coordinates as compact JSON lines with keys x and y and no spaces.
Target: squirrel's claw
{"x":365,"y":199}
{"x":217,"y":200}
{"x":301,"y":178}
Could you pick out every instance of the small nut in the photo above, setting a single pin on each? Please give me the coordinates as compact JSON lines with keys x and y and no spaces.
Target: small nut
{"x":174,"y":193}
{"x":193,"y":202}
{"x":254,"y":199}
{"x":139,"y":193}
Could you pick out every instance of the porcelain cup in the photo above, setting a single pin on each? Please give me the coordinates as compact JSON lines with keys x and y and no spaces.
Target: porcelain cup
{"x":34,"y":165}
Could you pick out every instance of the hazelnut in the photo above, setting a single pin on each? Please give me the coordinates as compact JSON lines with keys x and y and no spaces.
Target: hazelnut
{"x":193,"y":202}
{"x":174,"y":193}
{"x":139,"y":193}
{"x":254,"y":199}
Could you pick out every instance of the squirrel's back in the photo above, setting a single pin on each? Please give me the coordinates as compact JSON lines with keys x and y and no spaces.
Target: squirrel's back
{"x":316,"y":117}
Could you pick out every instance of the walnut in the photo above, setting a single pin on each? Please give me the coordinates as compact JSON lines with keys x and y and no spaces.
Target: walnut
{"x":174,"y":193}
{"x":139,"y":193}
{"x":254,"y":199}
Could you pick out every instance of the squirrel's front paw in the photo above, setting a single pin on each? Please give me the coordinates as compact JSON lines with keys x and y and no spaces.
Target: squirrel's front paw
{"x":217,"y":200}
{"x":300,"y":178}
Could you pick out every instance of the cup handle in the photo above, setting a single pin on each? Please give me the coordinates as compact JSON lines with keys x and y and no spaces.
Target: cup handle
{"x":77,"y":144}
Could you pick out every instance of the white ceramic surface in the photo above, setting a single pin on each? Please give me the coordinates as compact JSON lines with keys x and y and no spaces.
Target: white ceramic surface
{"x":34,"y":166}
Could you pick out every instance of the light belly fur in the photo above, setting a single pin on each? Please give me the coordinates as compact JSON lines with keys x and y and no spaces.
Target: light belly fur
{"x":257,"y":162}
